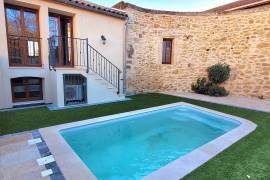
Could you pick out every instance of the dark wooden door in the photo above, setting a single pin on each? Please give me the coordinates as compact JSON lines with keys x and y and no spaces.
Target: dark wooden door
{"x":60,"y":28}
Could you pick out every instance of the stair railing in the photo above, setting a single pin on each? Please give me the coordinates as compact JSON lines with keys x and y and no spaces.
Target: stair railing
{"x":70,"y":52}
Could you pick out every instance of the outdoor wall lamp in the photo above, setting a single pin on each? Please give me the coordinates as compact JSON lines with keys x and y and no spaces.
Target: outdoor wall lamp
{"x":103,"y":38}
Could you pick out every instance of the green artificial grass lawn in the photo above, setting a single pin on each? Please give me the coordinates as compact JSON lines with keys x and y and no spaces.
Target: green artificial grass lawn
{"x":248,"y":157}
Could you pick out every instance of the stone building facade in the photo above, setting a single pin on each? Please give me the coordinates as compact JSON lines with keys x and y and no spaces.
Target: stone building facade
{"x":240,"y":39}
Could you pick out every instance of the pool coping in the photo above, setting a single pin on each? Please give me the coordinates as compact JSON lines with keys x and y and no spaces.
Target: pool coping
{"x":72,"y":166}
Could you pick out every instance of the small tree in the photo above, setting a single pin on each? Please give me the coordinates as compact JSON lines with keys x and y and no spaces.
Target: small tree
{"x":219,"y":73}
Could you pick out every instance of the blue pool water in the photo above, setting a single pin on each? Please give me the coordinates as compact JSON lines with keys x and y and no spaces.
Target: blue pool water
{"x":134,"y":146}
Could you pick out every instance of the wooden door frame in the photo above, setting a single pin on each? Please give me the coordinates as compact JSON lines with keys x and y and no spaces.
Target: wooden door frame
{"x":61,"y":59}
{"x":22,"y":25}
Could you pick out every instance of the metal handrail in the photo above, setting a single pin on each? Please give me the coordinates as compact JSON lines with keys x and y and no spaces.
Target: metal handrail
{"x":24,"y":50}
{"x":84,"y":55}
{"x":104,"y":68}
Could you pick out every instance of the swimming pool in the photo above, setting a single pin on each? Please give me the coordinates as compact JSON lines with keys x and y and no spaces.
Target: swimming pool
{"x":132,"y":147}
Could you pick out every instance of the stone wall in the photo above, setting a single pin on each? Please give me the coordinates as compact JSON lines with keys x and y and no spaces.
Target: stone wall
{"x":240,"y":39}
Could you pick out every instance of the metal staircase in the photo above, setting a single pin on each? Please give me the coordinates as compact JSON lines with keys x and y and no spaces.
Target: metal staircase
{"x":76,"y":52}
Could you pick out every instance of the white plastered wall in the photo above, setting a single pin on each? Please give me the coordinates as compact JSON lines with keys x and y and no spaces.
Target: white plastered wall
{"x":86,"y":24}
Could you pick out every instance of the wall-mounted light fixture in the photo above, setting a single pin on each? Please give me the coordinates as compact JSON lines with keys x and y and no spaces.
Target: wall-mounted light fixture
{"x":103,"y":38}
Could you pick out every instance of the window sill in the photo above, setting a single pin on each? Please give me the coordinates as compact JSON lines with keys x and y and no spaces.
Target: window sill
{"x":28,"y":103}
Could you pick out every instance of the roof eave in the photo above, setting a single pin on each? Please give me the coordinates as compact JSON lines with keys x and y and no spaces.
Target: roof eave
{"x":97,"y":9}
{"x":238,"y":5}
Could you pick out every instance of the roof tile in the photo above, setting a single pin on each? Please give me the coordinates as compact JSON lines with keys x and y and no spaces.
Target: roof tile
{"x":95,"y":7}
{"x":238,"y":4}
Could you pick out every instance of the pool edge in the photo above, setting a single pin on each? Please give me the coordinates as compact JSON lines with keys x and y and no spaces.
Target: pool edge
{"x":184,"y":165}
{"x":73,"y":167}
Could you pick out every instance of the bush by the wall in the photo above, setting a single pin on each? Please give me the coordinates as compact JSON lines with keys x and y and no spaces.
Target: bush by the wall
{"x":215,"y":90}
{"x":201,"y":86}
{"x":219,"y":73}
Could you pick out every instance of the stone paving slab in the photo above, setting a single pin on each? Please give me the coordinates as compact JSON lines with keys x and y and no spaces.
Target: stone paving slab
{"x":242,"y":102}
{"x":14,"y":138}
{"x":27,"y":170}
{"x":13,"y":147}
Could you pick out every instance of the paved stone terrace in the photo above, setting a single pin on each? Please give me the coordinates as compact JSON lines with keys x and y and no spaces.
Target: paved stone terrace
{"x":18,"y":159}
{"x":242,"y":102}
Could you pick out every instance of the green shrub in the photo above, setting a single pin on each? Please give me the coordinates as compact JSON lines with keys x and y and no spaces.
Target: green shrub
{"x":201,"y":86}
{"x":219,"y":73}
{"x":215,"y":90}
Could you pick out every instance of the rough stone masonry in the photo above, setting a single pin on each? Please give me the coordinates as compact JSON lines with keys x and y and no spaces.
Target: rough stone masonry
{"x":240,"y":39}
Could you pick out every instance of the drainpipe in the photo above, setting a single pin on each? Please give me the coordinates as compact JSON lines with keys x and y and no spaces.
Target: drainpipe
{"x":125,"y":58}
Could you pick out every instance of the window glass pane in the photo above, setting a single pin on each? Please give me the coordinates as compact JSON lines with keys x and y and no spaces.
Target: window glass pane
{"x":15,"y":50}
{"x":69,"y":29}
{"x":54,"y":40}
{"x":19,"y":92}
{"x":36,"y":49}
{"x":18,"y":88}
{"x":167,"y":51}
{"x":33,"y":52}
{"x":69,"y":44}
{"x":33,"y":49}
{"x":30,"y":48}
{"x":34,"y":90}
{"x":66,"y":40}
{"x":164,"y":52}
{"x":17,"y":81}
{"x":13,"y":21}
{"x":30,"y":24}
{"x":34,"y":81}
{"x":34,"y":87}
{"x":33,"y":60}
{"x":53,"y":26}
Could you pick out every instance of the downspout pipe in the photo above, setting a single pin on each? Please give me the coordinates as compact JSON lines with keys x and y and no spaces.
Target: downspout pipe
{"x":125,"y":58}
